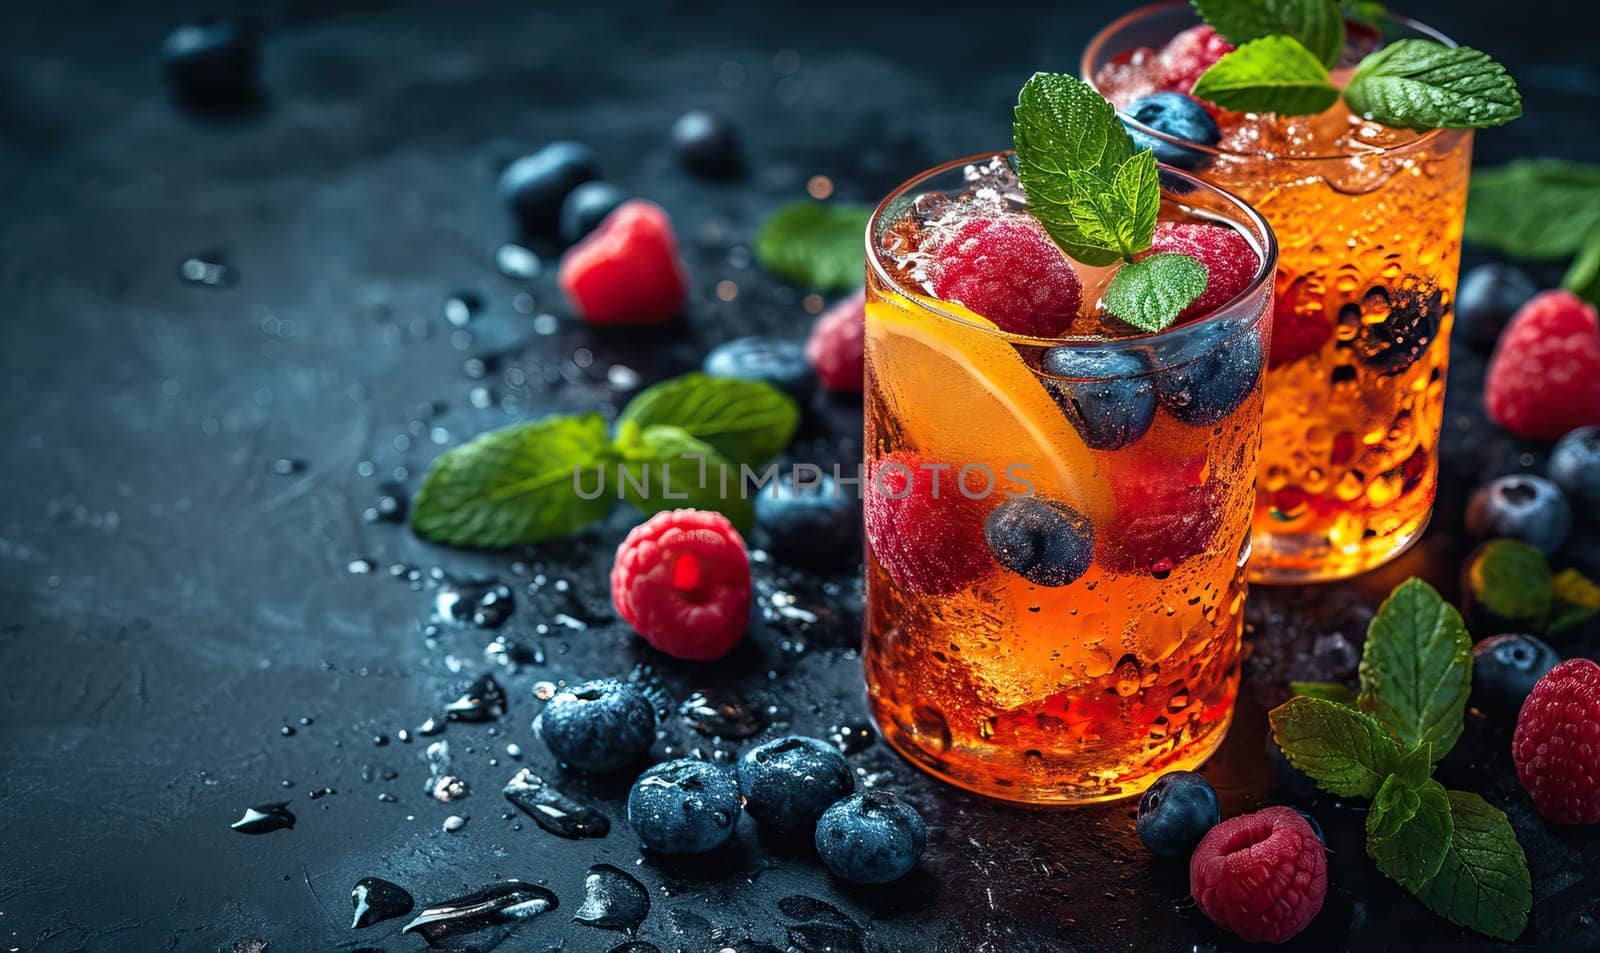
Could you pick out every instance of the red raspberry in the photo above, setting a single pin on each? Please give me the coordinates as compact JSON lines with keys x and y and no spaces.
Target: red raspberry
{"x":1230,"y":261}
{"x":926,"y":544}
{"x":1260,"y":876}
{"x":682,"y":580}
{"x":1300,"y":324}
{"x":837,"y":346}
{"x":1544,"y":376}
{"x":1009,"y":271}
{"x":1557,"y":743}
{"x":1191,"y":53}
{"x":627,"y":270}
{"x":1166,"y":511}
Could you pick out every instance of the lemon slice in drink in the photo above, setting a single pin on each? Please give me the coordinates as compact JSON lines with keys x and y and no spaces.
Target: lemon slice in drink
{"x":958,"y":393}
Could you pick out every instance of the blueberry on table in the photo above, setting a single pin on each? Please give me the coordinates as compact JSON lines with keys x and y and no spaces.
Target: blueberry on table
{"x":789,"y":782}
{"x":1176,"y":812}
{"x":1575,"y":468}
{"x":1210,"y":372}
{"x":586,"y":206}
{"x":601,"y":725}
{"x":772,"y":361}
{"x":706,"y":143}
{"x":1046,"y":543}
{"x":1487,"y":298}
{"x":871,"y":838}
{"x":811,"y":521}
{"x":535,"y":186}
{"x":1178,"y":116}
{"x":1522,"y":506}
{"x":684,"y":806}
{"x":212,"y":63}
{"x":1504,"y":670}
{"x":1114,"y":401}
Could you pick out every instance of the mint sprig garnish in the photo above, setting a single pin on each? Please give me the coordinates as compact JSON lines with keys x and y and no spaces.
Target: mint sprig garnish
{"x":1540,"y":209}
{"x":1098,"y":198}
{"x":816,"y":244}
{"x":1317,"y":24}
{"x":679,"y":443}
{"x":1420,"y":84}
{"x":1273,"y":74}
{"x":1452,"y":850}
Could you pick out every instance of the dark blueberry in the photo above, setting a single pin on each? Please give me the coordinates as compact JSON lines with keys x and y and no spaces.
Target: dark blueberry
{"x":1504,"y":668}
{"x":1291,"y":780}
{"x":376,"y":900}
{"x":1046,"y":543}
{"x":1315,"y":827}
{"x":1521,"y":506}
{"x":1176,"y":115}
{"x":871,"y":838}
{"x":1487,"y":298}
{"x":211,"y":63}
{"x":808,"y":522}
{"x":1411,"y":313}
{"x":706,"y":142}
{"x":535,"y":185}
{"x":1505,"y":587}
{"x":789,"y":782}
{"x":1176,"y":812}
{"x":684,"y":806}
{"x":1575,"y":468}
{"x":601,"y":725}
{"x":586,"y":206}
{"x":782,"y":364}
{"x":1111,"y":402}
{"x":1209,"y":372}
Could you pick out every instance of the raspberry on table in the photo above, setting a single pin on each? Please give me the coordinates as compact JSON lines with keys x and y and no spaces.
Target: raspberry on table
{"x":1557,"y":743}
{"x":1191,"y":53}
{"x":923,"y":531}
{"x":1229,"y":260}
{"x":837,"y":346}
{"x":1009,"y":271}
{"x":682,"y":580}
{"x":1261,"y":876}
{"x":627,"y":270}
{"x":1544,"y":376}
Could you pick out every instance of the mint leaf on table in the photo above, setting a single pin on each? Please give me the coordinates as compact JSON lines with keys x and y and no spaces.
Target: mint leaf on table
{"x":1150,"y":294}
{"x":1576,"y":598}
{"x":1327,"y":691}
{"x":1416,"y":667}
{"x":1483,"y":883}
{"x":820,"y":245}
{"x":1541,"y":209}
{"x":1583,"y":275}
{"x":1274,"y":74}
{"x":1317,"y":24}
{"x":514,"y":485}
{"x":1408,"y":830}
{"x":747,"y":422}
{"x":668,"y":468}
{"x":1421,"y":84}
{"x":1512,"y":580}
{"x":1345,"y":751}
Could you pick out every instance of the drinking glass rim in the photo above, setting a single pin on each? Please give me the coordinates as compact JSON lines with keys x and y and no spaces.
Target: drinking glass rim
{"x":1265,"y":269}
{"x":1099,"y":40}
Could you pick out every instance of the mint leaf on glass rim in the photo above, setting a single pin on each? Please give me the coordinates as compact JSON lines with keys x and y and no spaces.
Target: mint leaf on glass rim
{"x":1483,"y":882}
{"x":1273,"y":74}
{"x":1150,"y":294}
{"x":1408,"y":831}
{"x":514,"y":485}
{"x":1540,"y":209}
{"x":1416,"y":667}
{"x":668,"y":468}
{"x":1317,"y":24}
{"x":1119,"y":215}
{"x":1345,"y":751}
{"x":1421,"y":84}
{"x":747,"y":422}
{"x":820,"y":245}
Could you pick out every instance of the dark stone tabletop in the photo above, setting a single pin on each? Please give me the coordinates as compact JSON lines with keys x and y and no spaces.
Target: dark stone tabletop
{"x":196,"y":616}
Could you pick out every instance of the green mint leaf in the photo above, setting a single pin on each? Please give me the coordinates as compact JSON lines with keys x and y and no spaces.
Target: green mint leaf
{"x":1274,"y":74}
{"x":1543,"y":209}
{"x":1420,"y":84}
{"x":1327,"y":691}
{"x":1416,"y":668}
{"x":1408,"y":831}
{"x":515,"y":485}
{"x":1317,"y":24}
{"x":1577,"y":600}
{"x":1483,"y":883}
{"x":668,"y":468}
{"x":1415,"y":765}
{"x":747,"y":422}
{"x":816,"y":244}
{"x":1363,"y":11}
{"x":1150,"y":294}
{"x":1512,"y":580}
{"x":1119,"y":215}
{"x":1069,"y":139}
{"x":1345,"y":751}
{"x":1583,"y":275}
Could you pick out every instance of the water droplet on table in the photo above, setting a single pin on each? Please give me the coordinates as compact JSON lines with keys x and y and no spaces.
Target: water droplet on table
{"x":552,"y":810}
{"x":506,"y":903}
{"x":717,"y":715}
{"x":612,"y":900}
{"x":376,"y":900}
{"x":485,"y":700}
{"x":265,"y":818}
